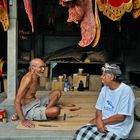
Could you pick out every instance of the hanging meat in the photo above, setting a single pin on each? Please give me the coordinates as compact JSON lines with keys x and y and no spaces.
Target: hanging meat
{"x":81,"y":12}
{"x":88,"y":25}
{"x":28,"y":9}
{"x":67,"y":3}
{"x":76,"y":13}
{"x":4,"y":14}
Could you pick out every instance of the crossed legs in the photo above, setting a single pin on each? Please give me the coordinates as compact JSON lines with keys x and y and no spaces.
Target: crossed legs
{"x":52,"y":110}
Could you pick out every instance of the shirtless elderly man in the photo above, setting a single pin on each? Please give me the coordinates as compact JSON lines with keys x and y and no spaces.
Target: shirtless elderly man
{"x":28,"y":107}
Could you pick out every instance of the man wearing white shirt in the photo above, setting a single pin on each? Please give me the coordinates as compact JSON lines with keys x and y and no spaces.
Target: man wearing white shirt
{"x":114,"y":116}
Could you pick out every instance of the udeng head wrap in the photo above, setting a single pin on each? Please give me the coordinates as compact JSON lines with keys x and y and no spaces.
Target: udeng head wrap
{"x":112,"y":69}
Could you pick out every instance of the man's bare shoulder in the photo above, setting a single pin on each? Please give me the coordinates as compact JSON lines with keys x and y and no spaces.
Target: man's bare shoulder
{"x":27,"y":77}
{"x":25,"y":84}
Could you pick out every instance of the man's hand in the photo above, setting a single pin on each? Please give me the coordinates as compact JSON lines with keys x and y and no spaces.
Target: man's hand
{"x":28,"y":123}
{"x":93,"y":121}
{"x":100,"y":125}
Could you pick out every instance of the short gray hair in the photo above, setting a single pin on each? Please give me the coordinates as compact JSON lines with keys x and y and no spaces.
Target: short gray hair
{"x":32,"y":63}
{"x":30,"y":66}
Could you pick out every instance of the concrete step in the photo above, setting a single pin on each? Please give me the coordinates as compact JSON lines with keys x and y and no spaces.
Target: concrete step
{"x":8,"y":131}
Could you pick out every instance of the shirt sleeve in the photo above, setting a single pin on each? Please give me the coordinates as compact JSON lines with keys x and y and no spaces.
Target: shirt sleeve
{"x":100,"y":99}
{"x":127,"y":103}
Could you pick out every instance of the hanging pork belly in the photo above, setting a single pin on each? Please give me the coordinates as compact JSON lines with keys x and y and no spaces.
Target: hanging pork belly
{"x":4,"y":14}
{"x":88,"y":25}
{"x":28,"y":9}
{"x":81,"y":12}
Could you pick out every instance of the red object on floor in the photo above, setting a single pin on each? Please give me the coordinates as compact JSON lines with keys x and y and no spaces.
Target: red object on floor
{"x":2,"y":115}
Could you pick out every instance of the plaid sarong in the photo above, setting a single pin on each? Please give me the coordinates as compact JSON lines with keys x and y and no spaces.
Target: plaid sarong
{"x":90,"y":132}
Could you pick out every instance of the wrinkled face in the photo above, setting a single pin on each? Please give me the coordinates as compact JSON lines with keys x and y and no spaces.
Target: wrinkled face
{"x":39,"y":68}
{"x":107,"y":78}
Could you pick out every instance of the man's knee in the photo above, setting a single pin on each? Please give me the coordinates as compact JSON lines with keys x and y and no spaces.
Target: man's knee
{"x":53,"y":112}
{"x":56,"y":93}
{"x":56,"y":111}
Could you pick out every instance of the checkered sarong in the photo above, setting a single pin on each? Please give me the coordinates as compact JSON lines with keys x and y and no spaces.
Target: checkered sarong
{"x":90,"y":132}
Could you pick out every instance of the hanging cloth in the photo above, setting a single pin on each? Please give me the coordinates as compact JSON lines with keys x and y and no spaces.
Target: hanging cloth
{"x":136,"y":4}
{"x":115,"y":9}
{"x":4,"y":14}
{"x":136,"y":13}
{"x":28,"y":9}
{"x":136,"y":7}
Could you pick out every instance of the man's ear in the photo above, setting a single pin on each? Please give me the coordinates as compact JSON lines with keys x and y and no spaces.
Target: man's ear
{"x":112,"y":77}
{"x":32,"y":69}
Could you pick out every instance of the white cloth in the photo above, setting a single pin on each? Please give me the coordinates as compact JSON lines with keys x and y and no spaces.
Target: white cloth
{"x":118,"y":101}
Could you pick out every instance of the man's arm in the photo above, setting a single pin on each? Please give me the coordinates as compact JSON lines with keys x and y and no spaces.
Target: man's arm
{"x":21,"y":92}
{"x":98,"y":121}
{"x":111,"y":120}
{"x":114,"y":119}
